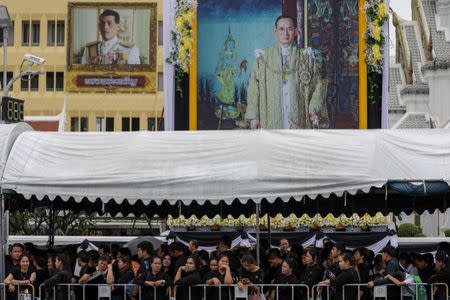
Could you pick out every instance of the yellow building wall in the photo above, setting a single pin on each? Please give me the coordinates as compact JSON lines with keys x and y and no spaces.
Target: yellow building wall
{"x":91,"y":105}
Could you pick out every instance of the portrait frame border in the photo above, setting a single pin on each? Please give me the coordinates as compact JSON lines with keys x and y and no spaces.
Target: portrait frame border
{"x":152,"y":54}
{"x":363,"y":105}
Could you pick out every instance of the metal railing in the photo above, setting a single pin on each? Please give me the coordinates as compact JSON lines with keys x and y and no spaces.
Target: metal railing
{"x":232,"y":291}
{"x":21,"y":291}
{"x":222,"y":292}
{"x":380,"y":291}
{"x":103,"y":290}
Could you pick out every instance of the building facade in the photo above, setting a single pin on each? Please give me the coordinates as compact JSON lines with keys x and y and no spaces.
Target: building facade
{"x":41,"y":28}
{"x":419,"y":77}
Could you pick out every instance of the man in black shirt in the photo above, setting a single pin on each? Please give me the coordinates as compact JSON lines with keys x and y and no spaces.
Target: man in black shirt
{"x":392,"y":267}
{"x":179,"y":258}
{"x":13,"y":260}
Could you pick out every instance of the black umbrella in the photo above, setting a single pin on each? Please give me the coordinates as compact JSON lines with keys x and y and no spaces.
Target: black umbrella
{"x":132,"y":245}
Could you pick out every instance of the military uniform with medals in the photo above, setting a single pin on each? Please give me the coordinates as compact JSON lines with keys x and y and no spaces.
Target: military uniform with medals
{"x":109,"y":52}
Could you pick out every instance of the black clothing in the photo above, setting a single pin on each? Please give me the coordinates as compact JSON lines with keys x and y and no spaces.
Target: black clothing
{"x":161,"y":292}
{"x":426,"y":273}
{"x":123,"y":277}
{"x":348,"y":276}
{"x":19,"y":275}
{"x":392,"y":267}
{"x":441,"y":276}
{"x":59,"y":277}
{"x":41,"y":275}
{"x":364,"y":277}
{"x":254,"y":277}
{"x":273,"y":274}
{"x":227,"y":293}
{"x":179,"y":262}
{"x":9,"y":266}
{"x":186,"y":281}
{"x":143,"y":271}
{"x":312,"y":275}
{"x":285,"y":292}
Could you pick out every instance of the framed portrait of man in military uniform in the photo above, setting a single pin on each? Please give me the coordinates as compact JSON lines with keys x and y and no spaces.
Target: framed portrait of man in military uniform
{"x":112,"y":46}
{"x":271,"y":64}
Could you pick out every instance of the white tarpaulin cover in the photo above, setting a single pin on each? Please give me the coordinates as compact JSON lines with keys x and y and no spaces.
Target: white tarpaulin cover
{"x":8,"y":135}
{"x":221,"y":165}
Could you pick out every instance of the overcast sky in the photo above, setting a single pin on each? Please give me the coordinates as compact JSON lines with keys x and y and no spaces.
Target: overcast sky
{"x":403,"y":9}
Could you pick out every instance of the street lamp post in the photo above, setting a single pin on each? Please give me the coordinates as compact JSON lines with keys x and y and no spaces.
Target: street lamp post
{"x":5,"y":25}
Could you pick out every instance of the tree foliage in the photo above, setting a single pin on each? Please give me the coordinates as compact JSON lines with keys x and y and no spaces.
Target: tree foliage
{"x":38,"y":222}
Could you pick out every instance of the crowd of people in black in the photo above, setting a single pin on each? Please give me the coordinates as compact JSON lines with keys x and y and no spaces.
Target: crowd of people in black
{"x":185,"y":272}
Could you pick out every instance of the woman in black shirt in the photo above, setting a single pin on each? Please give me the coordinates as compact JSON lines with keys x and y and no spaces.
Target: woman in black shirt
{"x":22,"y":276}
{"x":156,"y":281}
{"x":313,"y":272}
{"x":124,"y":276}
{"x":287,"y":277}
{"x":348,"y":275}
{"x":188,"y":276}
{"x":60,"y":275}
{"x":224,"y":275}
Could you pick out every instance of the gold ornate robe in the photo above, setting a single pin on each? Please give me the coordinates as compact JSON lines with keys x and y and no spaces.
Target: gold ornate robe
{"x":307,"y":92}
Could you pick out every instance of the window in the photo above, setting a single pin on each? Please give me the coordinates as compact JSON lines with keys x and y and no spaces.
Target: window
{"x":25,"y":33}
{"x":24,"y":84}
{"x":35,"y":33}
{"x":125,"y":124}
{"x":55,"y":33}
{"x":104,"y":124}
{"x":34,"y":84}
{"x":109,"y":124}
{"x":135,"y":124}
{"x":74,"y":124}
{"x":50,"y":81}
{"x":160,"y":33}
{"x":9,"y":76}
{"x":160,"y":82}
{"x":151,"y":124}
{"x":79,"y":124}
{"x":10,"y":35}
{"x":55,"y":81}
{"x":59,"y":83}
{"x":161,"y":124}
{"x":60,"y":33}
{"x":31,"y":83}
{"x":100,"y":124}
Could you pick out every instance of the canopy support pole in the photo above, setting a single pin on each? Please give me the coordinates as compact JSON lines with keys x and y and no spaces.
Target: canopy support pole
{"x":269,"y":231}
{"x":258,"y":254}
{"x":51,"y":227}
{"x":4,"y":238}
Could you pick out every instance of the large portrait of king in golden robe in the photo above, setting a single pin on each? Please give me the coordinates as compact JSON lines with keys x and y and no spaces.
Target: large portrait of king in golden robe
{"x":259,"y":68}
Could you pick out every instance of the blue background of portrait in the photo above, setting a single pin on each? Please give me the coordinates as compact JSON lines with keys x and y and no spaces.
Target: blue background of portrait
{"x":251,"y":24}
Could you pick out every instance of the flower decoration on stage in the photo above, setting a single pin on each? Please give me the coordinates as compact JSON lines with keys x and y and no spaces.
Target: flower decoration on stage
{"x":278,"y":221}
{"x":377,"y":15}
{"x":378,"y":220}
{"x":192,"y":221}
{"x":330,"y":221}
{"x":229,"y":221}
{"x":181,"y":52}
{"x":317,"y":221}
{"x":205,"y":222}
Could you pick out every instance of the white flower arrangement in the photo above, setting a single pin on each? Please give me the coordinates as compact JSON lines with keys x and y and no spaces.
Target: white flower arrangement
{"x":330,"y":221}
